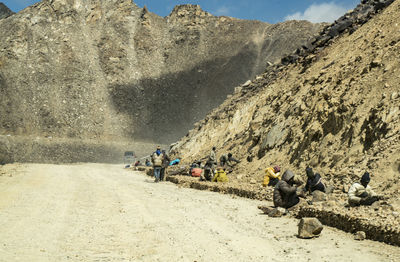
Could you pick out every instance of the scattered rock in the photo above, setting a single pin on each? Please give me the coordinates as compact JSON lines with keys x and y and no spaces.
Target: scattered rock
{"x":247,"y":83}
{"x":277,"y":212}
{"x":150,"y":172}
{"x":375,"y":206}
{"x":345,"y":188}
{"x":309,"y":227}
{"x":360,"y":235}
{"x":273,"y":211}
{"x":394,"y":95}
{"x":318,"y":196}
{"x":238,"y":89}
{"x":265,"y":209}
{"x":329,"y":189}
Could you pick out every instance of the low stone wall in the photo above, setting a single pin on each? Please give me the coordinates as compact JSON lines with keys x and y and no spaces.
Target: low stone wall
{"x":344,"y":221}
{"x":246,"y":191}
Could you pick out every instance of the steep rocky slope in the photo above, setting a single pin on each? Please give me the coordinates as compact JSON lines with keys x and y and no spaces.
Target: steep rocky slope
{"x":335,"y":109}
{"x":108,"y":70}
{"x":5,"y":11}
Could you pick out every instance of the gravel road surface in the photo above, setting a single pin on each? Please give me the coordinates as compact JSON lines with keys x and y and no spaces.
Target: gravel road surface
{"x":96,"y":212}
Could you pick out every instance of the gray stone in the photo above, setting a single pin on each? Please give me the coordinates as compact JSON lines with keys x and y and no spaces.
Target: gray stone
{"x":360,"y":235}
{"x":275,"y":137}
{"x":318,"y":196}
{"x":375,"y":206}
{"x":238,"y":89}
{"x":248,"y":82}
{"x":265,"y":209}
{"x":277,"y":212}
{"x":329,"y":189}
{"x":309,"y":227}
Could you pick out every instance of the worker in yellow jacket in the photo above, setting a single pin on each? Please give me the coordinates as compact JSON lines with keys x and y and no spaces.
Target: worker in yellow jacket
{"x":220,"y":176}
{"x":272,"y":176}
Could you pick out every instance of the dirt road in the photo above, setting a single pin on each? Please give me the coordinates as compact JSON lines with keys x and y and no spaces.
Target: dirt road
{"x":96,"y":212}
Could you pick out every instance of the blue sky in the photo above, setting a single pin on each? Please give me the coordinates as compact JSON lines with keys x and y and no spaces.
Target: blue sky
{"x":271,"y":11}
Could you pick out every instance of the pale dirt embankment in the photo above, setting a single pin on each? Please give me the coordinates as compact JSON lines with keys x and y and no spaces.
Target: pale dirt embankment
{"x":96,"y":212}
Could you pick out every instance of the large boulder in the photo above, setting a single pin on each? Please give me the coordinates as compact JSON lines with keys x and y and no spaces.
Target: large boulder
{"x":309,"y":227}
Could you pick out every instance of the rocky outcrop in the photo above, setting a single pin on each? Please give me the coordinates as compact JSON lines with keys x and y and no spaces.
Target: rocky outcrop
{"x":111,"y":71}
{"x":5,"y":11}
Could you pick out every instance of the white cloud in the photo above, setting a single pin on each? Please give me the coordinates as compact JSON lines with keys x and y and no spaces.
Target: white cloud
{"x":223,"y":10}
{"x":316,"y":13}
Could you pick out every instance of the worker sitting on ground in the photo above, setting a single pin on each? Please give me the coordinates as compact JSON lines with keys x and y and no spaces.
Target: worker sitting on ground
{"x":228,"y":160}
{"x":314,"y":181}
{"x":195,"y":164}
{"x":148,"y":163}
{"x":208,"y":174}
{"x":361,"y":193}
{"x":285,"y":194}
{"x":220,"y":176}
{"x":272,"y":176}
{"x":138,"y":163}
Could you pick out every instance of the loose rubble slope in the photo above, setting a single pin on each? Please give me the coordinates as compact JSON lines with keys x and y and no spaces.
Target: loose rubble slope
{"x":336,"y":110}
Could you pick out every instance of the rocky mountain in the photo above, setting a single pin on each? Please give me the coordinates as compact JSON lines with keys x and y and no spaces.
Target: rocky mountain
{"x":111,"y":71}
{"x":5,"y":11}
{"x":333,"y":106}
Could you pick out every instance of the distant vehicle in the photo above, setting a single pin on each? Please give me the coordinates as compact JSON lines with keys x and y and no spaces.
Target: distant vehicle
{"x":129,"y":158}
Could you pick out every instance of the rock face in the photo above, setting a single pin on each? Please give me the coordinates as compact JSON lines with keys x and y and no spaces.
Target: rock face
{"x":5,"y":11}
{"x":309,"y":227}
{"x":109,"y":70}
